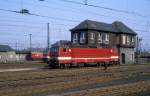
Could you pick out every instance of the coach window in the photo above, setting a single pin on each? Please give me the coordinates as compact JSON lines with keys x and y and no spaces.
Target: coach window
{"x":75,"y":37}
{"x":82,"y":37}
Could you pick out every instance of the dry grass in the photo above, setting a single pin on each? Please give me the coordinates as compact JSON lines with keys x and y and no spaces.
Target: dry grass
{"x":120,"y":90}
{"x":23,"y":64}
{"x":29,"y":83}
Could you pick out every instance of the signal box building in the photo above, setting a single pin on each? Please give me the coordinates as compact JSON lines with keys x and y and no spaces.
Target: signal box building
{"x":102,"y":35}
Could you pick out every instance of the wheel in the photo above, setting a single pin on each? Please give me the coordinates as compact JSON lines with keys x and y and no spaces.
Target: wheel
{"x":67,"y":66}
{"x":62,"y":66}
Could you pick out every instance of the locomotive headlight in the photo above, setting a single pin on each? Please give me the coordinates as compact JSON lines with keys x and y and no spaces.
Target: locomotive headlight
{"x":69,"y":50}
{"x":111,"y":50}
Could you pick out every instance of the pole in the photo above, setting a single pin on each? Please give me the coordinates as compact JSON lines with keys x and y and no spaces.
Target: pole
{"x":30,"y":42}
{"x":16,"y":46}
{"x":137,"y":49}
{"x":48,"y":37}
{"x":140,"y":45}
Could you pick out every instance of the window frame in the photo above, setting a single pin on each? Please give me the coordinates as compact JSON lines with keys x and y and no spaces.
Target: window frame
{"x":92,"y":37}
{"x":99,"y":37}
{"x":82,"y":37}
{"x":107,"y":37}
{"x":128,"y":40}
{"x":75,"y":37}
{"x":123,"y":39}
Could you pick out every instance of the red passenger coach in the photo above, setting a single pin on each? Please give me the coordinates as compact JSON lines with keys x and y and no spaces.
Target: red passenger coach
{"x":36,"y":56}
{"x":70,"y":56}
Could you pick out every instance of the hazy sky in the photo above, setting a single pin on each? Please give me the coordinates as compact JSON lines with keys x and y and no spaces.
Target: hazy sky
{"x":15,"y":28}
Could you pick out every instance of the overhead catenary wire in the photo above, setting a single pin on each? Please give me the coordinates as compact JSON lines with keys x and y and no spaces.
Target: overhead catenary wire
{"x":34,"y":14}
{"x":39,"y":15}
{"x":107,"y":8}
{"x":41,"y":23}
{"x":78,"y":10}
{"x":54,"y":18}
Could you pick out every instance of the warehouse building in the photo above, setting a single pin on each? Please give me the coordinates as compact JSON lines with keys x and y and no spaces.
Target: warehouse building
{"x":8,"y":54}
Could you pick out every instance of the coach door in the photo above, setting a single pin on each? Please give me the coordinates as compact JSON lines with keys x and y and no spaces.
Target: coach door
{"x":123,"y":58}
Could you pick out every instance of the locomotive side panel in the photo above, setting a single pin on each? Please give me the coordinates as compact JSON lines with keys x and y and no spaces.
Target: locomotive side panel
{"x":85,"y":55}
{"x":63,"y":56}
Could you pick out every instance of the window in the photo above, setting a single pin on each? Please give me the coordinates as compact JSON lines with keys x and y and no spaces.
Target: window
{"x":105,"y":38}
{"x":123,"y":39}
{"x":128,"y":40}
{"x":54,"y":49}
{"x":82,"y":37}
{"x":99,"y":38}
{"x":92,"y":36}
{"x":75,"y":37}
{"x":64,"y":50}
{"x":132,"y":40}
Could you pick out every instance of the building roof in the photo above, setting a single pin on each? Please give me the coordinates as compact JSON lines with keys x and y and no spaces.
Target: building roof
{"x":116,"y":27}
{"x":5,"y":48}
{"x":62,"y":43}
{"x":122,"y":28}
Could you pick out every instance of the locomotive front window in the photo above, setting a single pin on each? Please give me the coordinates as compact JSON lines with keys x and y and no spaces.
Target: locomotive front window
{"x":54,"y":49}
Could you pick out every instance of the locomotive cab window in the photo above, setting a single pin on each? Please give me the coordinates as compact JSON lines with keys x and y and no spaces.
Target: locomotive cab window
{"x":64,"y":49}
{"x":54,"y":49}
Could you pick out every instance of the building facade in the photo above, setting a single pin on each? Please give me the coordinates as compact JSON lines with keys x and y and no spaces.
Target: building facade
{"x":7,"y":54}
{"x":102,"y":35}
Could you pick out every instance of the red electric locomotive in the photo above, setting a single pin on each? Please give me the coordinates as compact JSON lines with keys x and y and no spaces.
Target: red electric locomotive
{"x":65,"y":57}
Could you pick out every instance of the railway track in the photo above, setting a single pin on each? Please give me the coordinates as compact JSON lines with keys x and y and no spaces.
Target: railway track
{"x":57,"y":80}
{"x":119,"y":90}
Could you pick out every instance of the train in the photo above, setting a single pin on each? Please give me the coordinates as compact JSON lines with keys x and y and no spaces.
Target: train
{"x":38,"y":56}
{"x":46,"y":56}
{"x":61,"y":57}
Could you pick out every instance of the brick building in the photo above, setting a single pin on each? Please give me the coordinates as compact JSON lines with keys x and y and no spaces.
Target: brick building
{"x":102,"y":35}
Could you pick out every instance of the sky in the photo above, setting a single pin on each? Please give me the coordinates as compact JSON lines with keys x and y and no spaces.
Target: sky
{"x":63,"y":16}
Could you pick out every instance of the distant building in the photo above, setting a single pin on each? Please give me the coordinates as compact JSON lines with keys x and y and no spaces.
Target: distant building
{"x":62,"y":43}
{"x":22,"y":55}
{"x":102,"y":35}
{"x":7,"y":53}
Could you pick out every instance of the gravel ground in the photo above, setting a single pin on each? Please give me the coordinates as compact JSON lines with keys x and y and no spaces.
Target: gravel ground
{"x":25,"y":64}
{"x":76,"y":81}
